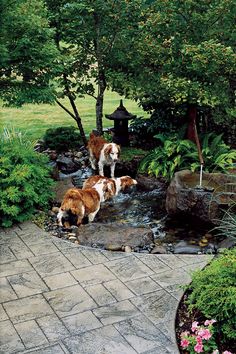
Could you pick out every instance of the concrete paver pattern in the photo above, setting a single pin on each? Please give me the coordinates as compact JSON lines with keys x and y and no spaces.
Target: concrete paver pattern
{"x":57,"y":297}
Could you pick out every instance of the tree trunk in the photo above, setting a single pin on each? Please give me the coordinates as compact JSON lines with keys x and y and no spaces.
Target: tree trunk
{"x":79,"y":123}
{"x":76,"y":115}
{"x":99,"y":101}
{"x":192,"y":130}
{"x":78,"y":120}
{"x":101,"y":79}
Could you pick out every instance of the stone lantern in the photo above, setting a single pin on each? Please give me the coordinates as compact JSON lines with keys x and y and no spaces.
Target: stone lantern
{"x":121,"y":131}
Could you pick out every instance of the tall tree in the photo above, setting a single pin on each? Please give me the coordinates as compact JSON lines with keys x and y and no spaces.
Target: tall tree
{"x":86,"y":34}
{"x":185,"y":54}
{"x":27,"y":52}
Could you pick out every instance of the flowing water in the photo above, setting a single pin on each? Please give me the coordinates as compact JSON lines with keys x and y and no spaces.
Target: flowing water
{"x":138,"y":208}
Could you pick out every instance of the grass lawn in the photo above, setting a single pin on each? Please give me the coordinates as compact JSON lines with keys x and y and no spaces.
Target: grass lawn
{"x":34,"y":120}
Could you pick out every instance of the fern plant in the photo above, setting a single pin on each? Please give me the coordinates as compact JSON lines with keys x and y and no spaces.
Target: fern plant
{"x":25,"y":182}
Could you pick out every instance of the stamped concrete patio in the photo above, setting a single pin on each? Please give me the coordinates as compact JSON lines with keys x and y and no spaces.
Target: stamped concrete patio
{"x":57,"y":297}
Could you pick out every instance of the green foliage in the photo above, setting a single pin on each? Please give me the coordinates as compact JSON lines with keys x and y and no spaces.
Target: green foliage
{"x":176,"y":154}
{"x":107,"y":136}
{"x":142,"y":131}
{"x":25,"y":182}
{"x":216,"y":154}
{"x":128,"y":153}
{"x":173,"y":155}
{"x":227,"y":225}
{"x":187,"y":54}
{"x":62,"y":138}
{"x":40,"y":218}
{"x":214,"y":293}
{"x":163,"y":120}
{"x":90,"y":38}
{"x":28,"y":60}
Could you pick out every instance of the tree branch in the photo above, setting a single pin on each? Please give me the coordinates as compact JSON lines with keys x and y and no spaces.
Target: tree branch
{"x":91,"y":95}
{"x":65,"y":109}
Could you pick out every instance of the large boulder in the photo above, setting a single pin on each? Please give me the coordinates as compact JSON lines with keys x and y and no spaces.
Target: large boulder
{"x":149,"y":183}
{"x":114,"y":235}
{"x":129,"y":168}
{"x":66,"y":164}
{"x":61,"y":188}
{"x":185,"y":197}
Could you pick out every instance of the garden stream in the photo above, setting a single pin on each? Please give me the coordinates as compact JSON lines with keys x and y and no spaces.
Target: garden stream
{"x":137,"y":209}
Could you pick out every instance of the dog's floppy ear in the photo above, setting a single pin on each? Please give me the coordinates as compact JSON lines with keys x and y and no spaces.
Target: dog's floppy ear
{"x":108,"y":150}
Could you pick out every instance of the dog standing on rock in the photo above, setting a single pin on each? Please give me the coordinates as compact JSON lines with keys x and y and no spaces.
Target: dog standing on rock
{"x":78,"y":203}
{"x":102,"y":153}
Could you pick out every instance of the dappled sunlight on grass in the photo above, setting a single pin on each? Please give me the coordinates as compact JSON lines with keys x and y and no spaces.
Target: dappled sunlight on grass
{"x":36,"y":119}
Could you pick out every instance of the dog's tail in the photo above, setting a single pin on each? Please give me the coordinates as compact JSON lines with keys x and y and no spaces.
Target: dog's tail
{"x":73,"y":201}
{"x":93,"y":135}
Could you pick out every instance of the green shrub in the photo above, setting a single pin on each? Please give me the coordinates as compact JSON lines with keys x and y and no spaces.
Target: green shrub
{"x":172,"y":156}
{"x":164,"y":120}
{"x":128,"y":153}
{"x":141,"y":131}
{"x":213,"y":292}
{"x":175,"y":154}
{"x":217,"y":156}
{"x":25,"y":182}
{"x":107,"y":136}
{"x":62,"y":138}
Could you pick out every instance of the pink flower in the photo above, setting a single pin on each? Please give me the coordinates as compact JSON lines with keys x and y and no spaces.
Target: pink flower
{"x":227,"y":352}
{"x":198,"y":348}
{"x":184,"y":334}
{"x":204,"y":333}
{"x":199,"y":340}
{"x":216,"y":351}
{"x":194,"y":326}
{"x":209,"y":322}
{"x":184,"y":343}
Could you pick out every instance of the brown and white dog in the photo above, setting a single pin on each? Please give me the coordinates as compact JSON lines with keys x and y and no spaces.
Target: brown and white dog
{"x":109,"y":185}
{"x":78,"y":203}
{"x":102,"y":153}
{"x":114,"y":185}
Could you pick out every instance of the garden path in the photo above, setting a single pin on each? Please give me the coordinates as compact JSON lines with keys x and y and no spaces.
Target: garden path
{"x":58,"y":297}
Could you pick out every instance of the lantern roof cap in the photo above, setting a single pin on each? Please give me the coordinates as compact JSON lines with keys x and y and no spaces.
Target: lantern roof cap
{"x":120,"y":113}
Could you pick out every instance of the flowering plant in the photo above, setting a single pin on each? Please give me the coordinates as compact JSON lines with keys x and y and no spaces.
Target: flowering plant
{"x":200,"y":339}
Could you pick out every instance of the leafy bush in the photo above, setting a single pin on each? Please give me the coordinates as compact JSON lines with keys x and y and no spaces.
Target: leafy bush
{"x":213,"y":292}
{"x":62,"y":138}
{"x":173,"y":155}
{"x":25,"y":182}
{"x":128,"y":153}
{"x":139,"y":131}
{"x":176,"y":154}
{"x":216,"y":154}
{"x":107,"y":136}
{"x":163,"y":120}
